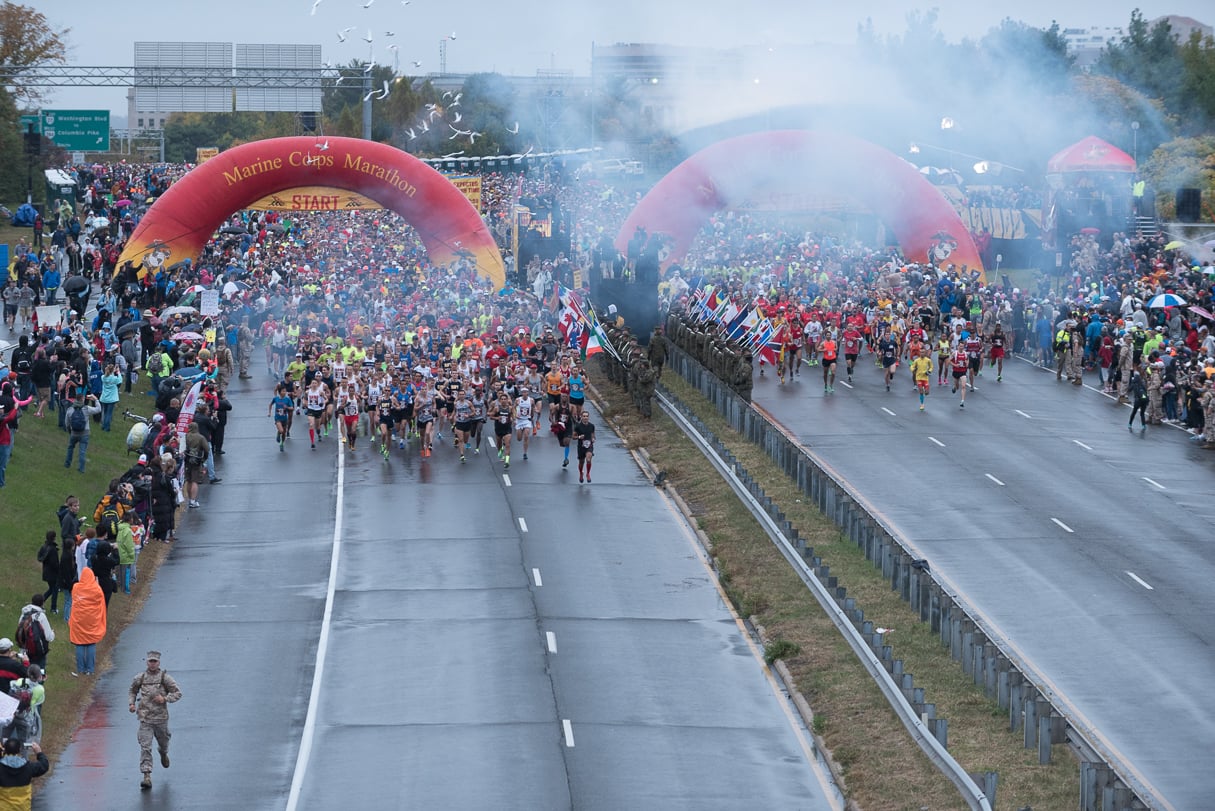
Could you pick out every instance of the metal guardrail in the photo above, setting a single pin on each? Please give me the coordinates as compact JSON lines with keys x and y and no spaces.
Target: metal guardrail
{"x":1044,"y":717}
{"x":862,"y":647}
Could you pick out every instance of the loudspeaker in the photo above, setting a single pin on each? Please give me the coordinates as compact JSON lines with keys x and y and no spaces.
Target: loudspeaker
{"x":308,"y":121}
{"x":1189,"y":205}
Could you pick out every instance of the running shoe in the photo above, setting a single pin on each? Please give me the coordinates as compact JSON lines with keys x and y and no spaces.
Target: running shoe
{"x":581,"y":479}
{"x":525,"y":457}
{"x":313,"y":446}
{"x":565,"y":463}
{"x":921,"y":408}
{"x":462,"y":458}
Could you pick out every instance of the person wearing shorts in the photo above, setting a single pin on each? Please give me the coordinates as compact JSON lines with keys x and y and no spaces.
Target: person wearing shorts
{"x":584,"y":436}
{"x":316,"y":403}
{"x":921,"y":372}
{"x":577,"y":384}
{"x":961,"y":366}
{"x":888,"y":353}
{"x":386,"y":418}
{"x":350,"y":413}
{"x":525,"y":409}
{"x":562,"y":426}
{"x":463,"y":415}
{"x":996,"y":351}
{"x":829,"y":354}
{"x":501,"y":412}
{"x":281,"y":408}
{"x":424,"y":415}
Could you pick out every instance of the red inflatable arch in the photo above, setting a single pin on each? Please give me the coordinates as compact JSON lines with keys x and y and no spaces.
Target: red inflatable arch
{"x":178,"y":224}
{"x":725,"y":174}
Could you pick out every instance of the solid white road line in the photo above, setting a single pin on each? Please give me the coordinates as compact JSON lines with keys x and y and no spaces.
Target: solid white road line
{"x":569,"y":732}
{"x":1065,"y":527}
{"x":1082,"y":445}
{"x":322,"y":645}
{"x":1139,"y":580}
{"x":522,"y":524}
{"x":551,"y":638}
{"x":536,"y":578}
{"x":994,"y":479}
{"x":506,"y":479}
{"x":888,"y":411}
{"x":937,"y":441}
{"x":1154,"y":483}
{"x":1023,"y":414}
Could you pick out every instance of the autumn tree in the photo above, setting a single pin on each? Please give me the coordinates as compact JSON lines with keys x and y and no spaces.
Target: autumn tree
{"x":26,"y":38}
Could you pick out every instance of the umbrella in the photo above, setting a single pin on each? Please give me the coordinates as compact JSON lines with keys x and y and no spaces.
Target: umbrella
{"x":186,"y":336}
{"x":1090,"y":230}
{"x":275,"y":228}
{"x":1174,"y":245}
{"x":1210,"y":243}
{"x":1196,"y":310}
{"x":198,"y":288}
{"x":1166,"y":300}
{"x":233,"y":229}
{"x":169,"y":312}
{"x":191,"y":328}
{"x":122,"y":203}
{"x":131,"y":326}
{"x":75,"y":284}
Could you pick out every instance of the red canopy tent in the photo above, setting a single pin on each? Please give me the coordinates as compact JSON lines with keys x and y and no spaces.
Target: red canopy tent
{"x":1090,"y":154}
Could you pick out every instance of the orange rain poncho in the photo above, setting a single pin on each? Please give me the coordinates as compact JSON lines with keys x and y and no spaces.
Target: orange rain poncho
{"x":87,"y":625}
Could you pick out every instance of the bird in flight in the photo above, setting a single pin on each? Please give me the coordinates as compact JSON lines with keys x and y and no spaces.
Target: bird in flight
{"x":368,"y":38}
{"x":456,"y":133}
{"x":417,"y":64}
{"x":456,"y":118}
{"x":390,"y":33}
{"x":315,"y":3}
{"x":456,"y":101}
{"x":472,"y":136}
{"x":323,"y":147}
{"x":425,"y":126}
{"x":368,"y":3}
{"x":514,"y":130}
{"x":384,"y":92}
{"x":341,"y":35}
{"x":412,"y":135}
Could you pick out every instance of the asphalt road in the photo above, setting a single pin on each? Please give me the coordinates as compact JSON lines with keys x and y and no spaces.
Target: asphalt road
{"x":1086,"y":545}
{"x":496,"y":641}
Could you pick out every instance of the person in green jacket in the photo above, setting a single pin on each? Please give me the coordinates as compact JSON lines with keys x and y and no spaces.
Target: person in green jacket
{"x":126,"y":553}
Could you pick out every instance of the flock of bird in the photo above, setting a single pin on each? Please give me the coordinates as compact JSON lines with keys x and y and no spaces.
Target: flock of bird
{"x":438,"y":114}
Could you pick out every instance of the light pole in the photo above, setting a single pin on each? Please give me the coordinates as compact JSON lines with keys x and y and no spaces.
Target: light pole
{"x":1135,"y":143}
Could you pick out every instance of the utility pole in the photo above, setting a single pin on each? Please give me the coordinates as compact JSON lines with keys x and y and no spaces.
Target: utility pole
{"x":367,"y":104}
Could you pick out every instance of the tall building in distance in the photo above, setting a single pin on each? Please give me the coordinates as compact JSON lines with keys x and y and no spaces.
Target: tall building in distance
{"x":1086,"y":44}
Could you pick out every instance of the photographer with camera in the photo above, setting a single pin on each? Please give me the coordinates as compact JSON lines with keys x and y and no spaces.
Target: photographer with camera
{"x":78,"y":420}
{"x":17,"y":772}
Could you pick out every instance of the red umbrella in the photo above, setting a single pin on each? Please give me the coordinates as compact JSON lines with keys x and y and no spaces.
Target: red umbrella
{"x":1200,"y":311}
{"x":1090,"y":230}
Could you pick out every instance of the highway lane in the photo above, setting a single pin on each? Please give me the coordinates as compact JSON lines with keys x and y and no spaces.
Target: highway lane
{"x":503,"y":639}
{"x":1086,"y":545}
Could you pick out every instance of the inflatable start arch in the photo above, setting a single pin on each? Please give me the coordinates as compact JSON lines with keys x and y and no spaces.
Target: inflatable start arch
{"x":178,"y":224}
{"x":789,"y":162}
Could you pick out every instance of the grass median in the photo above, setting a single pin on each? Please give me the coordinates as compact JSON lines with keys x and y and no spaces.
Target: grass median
{"x":36,"y":485}
{"x":883,"y":768}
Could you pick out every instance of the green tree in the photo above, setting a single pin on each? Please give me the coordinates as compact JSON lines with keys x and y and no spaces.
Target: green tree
{"x":185,"y":132}
{"x":26,"y":38}
{"x":1147,"y":58}
{"x":1178,"y":164}
{"x":1197,"y":92}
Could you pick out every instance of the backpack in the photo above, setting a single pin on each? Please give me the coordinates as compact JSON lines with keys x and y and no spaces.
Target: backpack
{"x":106,"y":516}
{"x":78,"y":421}
{"x":156,"y":364}
{"x":24,"y":366}
{"x":31,"y":637}
{"x":90,"y":551}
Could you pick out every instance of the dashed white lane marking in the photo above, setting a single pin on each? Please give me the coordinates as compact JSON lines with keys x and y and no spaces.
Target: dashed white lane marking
{"x":994,"y":479}
{"x":569,"y":732}
{"x":1065,"y":527}
{"x":536,"y":578}
{"x":1154,"y":483}
{"x":937,"y":441}
{"x":1082,"y":445}
{"x":522,"y":524}
{"x":551,"y":638}
{"x":506,"y":479}
{"x":845,"y":383}
{"x":888,"y":411}
{"x":1140,"y":581}
{"x":1023,"y":414}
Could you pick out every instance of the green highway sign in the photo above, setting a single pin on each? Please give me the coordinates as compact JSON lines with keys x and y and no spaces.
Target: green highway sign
{"x":32,"y":118}
{"x":78,"y":130}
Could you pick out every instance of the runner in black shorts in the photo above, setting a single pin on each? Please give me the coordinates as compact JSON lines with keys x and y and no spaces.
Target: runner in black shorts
{"x":500,"y":412}
{"x":584,"y":435}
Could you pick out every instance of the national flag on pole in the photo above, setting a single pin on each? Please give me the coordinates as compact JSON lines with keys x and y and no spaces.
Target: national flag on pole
{"x":742,"y":324}
{"x":729,"y":313}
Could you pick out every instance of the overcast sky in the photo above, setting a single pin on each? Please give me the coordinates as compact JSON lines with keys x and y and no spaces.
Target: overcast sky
{"x":518,"y":38}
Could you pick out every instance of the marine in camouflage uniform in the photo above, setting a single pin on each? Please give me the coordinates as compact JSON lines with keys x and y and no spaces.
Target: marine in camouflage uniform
{"x":151,"y":693}
{"x":1208,"y":414}
{"x":244,"y":339}
{"x":656,"y":352}
{"x":1125,"y":358}
{"x":1154,"y":375}
{"x":1075,"y":357}
{"x":646,"y":377}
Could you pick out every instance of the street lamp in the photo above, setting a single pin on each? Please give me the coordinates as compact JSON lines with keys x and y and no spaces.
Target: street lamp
{"x":1135,"y":143}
